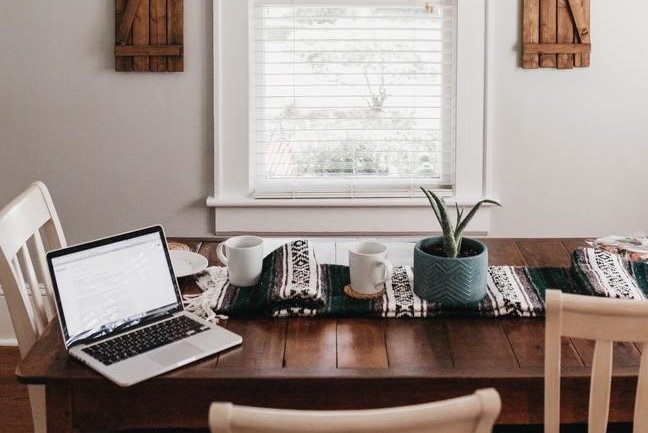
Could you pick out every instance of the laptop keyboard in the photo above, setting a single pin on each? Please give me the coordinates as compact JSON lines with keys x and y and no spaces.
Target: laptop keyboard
{"x":145,"y":339}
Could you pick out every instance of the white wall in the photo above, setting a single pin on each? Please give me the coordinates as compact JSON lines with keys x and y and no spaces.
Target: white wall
{"x":120,"y":150}
{"x":570,"y":152}
{"x":117,"y":150}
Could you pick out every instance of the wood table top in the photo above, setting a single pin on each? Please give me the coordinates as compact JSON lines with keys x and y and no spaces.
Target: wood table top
{"x":404,"y":357}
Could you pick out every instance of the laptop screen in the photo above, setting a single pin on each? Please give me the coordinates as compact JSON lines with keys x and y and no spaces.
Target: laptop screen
{"x":113,"y":283}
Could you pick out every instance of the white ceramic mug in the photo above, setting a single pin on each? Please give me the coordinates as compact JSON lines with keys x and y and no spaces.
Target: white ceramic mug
{"x":369,"y":268}
{"x":243,"y":256}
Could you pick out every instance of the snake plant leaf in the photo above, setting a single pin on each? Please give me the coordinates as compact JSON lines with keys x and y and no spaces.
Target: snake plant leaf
{"x":452,"y":236}
{"x":459,"y":213}
{"x":429,"y":194}
{"x":461,"y":225}
{"x":440,"y":211}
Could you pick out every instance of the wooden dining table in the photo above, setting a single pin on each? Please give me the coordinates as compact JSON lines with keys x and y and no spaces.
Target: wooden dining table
{"x":343,"y":363}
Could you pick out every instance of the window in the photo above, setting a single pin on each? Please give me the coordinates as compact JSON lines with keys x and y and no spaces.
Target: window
{"x":352,"y":99}
{"x":284,"y":166}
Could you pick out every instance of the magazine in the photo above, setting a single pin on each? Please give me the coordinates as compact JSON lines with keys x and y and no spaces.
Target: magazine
{"x":634,"y":248}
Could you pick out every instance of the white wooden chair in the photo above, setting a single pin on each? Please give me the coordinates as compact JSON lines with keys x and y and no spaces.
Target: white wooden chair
{"x":475,"y":413}
{"x":604,"y":320}
{"x":29,"y":226}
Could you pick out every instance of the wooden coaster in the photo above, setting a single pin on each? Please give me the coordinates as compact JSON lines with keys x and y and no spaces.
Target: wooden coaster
{"x":348,"y":290}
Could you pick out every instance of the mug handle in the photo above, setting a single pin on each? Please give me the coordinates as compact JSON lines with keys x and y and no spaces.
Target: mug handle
{"x":389,"y":270}
{"x":220,"y":253}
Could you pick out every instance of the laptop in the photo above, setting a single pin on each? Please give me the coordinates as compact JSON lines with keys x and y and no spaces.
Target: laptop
{"x":120,"y":308}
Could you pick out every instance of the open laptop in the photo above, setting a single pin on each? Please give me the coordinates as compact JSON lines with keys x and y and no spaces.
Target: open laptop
{"x":120,"y":308}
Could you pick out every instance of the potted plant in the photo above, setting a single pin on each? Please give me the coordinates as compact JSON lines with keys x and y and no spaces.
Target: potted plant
{"x":451,"y":269}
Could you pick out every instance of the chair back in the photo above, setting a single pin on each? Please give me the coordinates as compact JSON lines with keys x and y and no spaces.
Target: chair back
{"x":475,"y":413}
{"x":604,"y":320}
{"x":29,"y":226}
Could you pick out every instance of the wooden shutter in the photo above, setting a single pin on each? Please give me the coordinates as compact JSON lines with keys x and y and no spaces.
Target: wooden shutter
{"x":149,"y":35}
{"x":556,"y":33}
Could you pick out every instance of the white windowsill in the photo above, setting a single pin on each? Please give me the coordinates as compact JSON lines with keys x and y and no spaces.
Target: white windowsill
{"x":396,"y":217}
{"x":334,"y":202}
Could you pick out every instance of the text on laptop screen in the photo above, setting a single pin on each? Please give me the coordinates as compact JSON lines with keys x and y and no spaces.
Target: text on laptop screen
{"x":107,"y":286}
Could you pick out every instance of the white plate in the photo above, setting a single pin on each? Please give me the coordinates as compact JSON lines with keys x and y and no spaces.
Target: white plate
{"x":187,"y":263}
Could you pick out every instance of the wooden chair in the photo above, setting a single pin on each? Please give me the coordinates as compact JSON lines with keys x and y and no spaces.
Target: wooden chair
{"x":604,"y":320}
{"x":475,"y":413}
{"x":29,"y":226}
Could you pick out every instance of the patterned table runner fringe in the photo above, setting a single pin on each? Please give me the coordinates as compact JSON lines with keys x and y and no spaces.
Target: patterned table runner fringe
{"x":294,"y":284}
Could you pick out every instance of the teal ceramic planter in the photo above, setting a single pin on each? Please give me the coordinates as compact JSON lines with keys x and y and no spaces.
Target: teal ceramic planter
{"x":450,"y":281}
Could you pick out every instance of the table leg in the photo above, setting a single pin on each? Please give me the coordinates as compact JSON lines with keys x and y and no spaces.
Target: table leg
{"x":59,"y":408}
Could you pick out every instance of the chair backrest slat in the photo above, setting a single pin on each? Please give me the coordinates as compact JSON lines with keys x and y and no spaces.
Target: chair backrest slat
{"x":19,"y":305}
{"x":605,"y":321}
{"x":599,"y":401}
{"x":552,"y":362}
{"x":34,"y":287}
{"x":44,"y":273}
{"x":641,"y":401}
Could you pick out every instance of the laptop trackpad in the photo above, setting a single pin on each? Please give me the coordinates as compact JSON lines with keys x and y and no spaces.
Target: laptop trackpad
{"x":178,"y":352}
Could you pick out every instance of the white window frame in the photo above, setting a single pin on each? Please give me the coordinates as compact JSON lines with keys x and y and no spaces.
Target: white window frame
{"x":235,"y":209}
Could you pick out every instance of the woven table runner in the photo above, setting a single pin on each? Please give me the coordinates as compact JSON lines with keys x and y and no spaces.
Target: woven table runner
{"x":294,"y":284}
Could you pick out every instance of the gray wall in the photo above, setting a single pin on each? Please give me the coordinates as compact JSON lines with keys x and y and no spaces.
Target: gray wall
{"x":122,"y":150}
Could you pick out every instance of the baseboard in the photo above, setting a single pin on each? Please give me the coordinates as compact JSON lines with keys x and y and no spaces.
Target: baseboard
{"x":7,"y":336}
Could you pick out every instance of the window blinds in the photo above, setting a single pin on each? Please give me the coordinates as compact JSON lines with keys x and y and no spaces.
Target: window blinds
{"x":352,"y":98}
